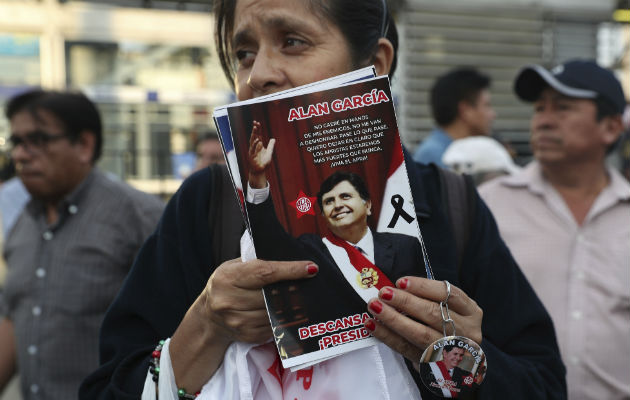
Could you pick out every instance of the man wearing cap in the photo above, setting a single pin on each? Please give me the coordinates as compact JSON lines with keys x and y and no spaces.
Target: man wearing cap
{"x":565,"y":219}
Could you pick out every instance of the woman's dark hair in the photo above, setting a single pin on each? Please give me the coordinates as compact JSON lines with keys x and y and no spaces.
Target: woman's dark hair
{"x":361,"y":23}
{"x":340,"y":176}
{"x":74,"y":110}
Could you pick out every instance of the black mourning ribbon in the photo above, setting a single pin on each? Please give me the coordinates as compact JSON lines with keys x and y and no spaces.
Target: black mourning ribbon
{"x":397,"y":202}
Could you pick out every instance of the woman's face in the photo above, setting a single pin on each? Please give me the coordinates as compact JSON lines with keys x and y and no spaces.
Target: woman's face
{"x":280,"y":44}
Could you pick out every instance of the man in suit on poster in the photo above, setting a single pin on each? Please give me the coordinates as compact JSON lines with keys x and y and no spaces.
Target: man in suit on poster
{"x":354,"y":261}
{"x":445,"y":378}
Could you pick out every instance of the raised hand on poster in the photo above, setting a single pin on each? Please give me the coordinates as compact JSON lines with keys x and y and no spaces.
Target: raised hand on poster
{"x":259,"y":157}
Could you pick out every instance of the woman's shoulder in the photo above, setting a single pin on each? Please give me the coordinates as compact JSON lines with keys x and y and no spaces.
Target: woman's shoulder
{"x":196,"y":184}
{"x":189,"y":204}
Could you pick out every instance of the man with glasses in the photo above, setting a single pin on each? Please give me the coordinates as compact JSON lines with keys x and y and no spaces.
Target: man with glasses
{"x":70,"y":248}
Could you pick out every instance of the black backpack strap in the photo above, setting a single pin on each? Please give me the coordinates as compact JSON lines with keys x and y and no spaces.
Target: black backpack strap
{"x":458,"y":198}
{"x":224,"y":216}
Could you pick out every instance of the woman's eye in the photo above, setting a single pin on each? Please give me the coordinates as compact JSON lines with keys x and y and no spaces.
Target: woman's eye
{"x":294,"y":43}
{"x":245,"y":57}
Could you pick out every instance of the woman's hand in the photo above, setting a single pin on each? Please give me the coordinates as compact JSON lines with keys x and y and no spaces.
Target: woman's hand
{"x":233,"y":298}
{"x":397,"y":312}
{"x":230,"y":308}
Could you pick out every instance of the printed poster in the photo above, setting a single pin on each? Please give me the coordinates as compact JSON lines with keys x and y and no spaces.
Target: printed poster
{"x":335,"y":192}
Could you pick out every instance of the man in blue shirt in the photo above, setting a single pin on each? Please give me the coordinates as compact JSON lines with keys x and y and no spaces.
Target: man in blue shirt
{"x":460,"y":102}
{"x":13,"y":198}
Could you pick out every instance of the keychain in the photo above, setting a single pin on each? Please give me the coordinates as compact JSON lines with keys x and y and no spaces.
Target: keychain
{"x":452,"y":366}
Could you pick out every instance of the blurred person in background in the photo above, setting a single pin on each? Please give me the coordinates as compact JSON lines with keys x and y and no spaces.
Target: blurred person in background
{"x":208,"y":151}
{"x":565,"y":217}
{"x":460,"y":104}
{"x":13,"y":197}
{"x":481,"y":157}
{"x":70,"y":248}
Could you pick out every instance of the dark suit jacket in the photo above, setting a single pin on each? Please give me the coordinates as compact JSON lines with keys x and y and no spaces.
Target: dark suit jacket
{"x":328,"y":295}
{"x":457,"y":377}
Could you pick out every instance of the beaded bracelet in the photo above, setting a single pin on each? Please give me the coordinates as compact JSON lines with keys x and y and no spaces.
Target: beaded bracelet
{"x":154,"y":369}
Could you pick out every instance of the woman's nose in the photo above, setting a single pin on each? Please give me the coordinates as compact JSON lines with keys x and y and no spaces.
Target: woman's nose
{"x":266,"y":75}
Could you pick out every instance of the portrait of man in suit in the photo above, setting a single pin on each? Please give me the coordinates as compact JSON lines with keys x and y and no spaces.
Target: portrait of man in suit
{"x":354,"y":261}
{"x":444,"y":377}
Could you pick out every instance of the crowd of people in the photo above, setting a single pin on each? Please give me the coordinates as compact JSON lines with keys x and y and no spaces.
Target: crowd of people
{"x":110,"y":294}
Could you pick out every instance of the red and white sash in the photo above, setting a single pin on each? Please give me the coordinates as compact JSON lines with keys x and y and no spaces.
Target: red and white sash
{"x":361,"y":273}
{"x":443,"y":379}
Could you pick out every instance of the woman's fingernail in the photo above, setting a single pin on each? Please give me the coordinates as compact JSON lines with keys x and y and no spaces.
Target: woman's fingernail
{"x":370,"y":325}
{"x":376,"y":306}
{"x":386,"y":293}
{"x":403,"y":283}
{"x":312,"y":269}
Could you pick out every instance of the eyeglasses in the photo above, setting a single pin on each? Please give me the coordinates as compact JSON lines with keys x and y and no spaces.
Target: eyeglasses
{"x":34,"y":140}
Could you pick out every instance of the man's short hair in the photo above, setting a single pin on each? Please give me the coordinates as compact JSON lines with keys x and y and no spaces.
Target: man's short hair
{"x":461,"y":84}
{"x":338,"y":177}
{"x":448,"y":348}
{"x":74,"y":110}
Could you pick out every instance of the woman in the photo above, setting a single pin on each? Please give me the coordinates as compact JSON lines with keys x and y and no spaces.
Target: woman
{"x":174,"y":289}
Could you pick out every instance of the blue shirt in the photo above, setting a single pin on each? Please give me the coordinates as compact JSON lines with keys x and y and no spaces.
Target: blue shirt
{"x":433,"y":147}
{"x":13,"y":198}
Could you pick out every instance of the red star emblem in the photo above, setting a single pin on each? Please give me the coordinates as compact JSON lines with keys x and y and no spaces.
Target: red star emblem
{"x":304,"y":204}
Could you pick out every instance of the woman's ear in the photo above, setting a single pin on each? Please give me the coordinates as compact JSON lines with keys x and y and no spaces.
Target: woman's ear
{"x":383,"y":57}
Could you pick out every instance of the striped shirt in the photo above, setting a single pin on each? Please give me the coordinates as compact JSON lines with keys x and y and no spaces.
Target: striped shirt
{"x":62,"y":277}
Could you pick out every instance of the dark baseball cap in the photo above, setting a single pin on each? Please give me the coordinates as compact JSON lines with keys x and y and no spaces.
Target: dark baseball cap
{"x":576,"y":78}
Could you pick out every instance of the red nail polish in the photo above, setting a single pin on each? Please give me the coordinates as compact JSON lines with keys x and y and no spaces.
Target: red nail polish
{"x":376,"y":306}
{"x":312,"y":269}
{"x":386,"y":293}
{"x":403,"y":283}
{"x":370,"y":325}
